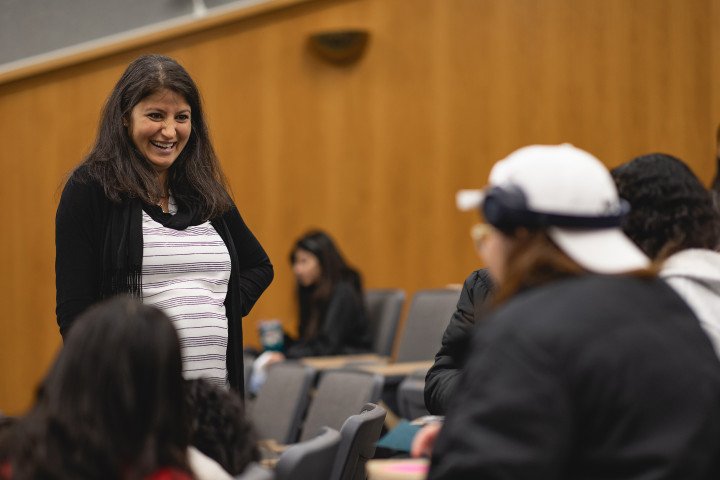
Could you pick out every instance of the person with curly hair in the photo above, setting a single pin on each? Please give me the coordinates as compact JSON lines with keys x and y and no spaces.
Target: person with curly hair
{"x":673,"y":221}
{"x":218,"y":426}
{"x":111,"y":405}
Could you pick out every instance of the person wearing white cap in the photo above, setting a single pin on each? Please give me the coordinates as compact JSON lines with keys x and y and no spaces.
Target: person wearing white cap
{"x":589,"y":366}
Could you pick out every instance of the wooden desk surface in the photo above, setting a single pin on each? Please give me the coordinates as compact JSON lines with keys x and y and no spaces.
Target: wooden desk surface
{"x":340,"y":361}
{"x":398,"y":469}
{"x":397,"y":369}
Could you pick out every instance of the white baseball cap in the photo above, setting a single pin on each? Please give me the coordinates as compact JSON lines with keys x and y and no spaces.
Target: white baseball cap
{"x":570,"y":193}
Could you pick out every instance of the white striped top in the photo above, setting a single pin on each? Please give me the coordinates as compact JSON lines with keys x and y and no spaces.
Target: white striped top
{"x":185,"y":273}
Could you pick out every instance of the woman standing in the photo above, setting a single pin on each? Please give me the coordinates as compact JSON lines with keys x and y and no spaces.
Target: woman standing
{"x":148,"y":213}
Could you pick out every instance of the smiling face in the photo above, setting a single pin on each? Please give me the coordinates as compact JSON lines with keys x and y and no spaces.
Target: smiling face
{"x":160,"y":127}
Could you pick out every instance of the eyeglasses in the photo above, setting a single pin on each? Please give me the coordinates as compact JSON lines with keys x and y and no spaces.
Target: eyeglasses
{"x":479,"y":233}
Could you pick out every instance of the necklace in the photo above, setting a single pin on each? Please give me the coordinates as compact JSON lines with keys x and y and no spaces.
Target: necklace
{"x":164,"y":202}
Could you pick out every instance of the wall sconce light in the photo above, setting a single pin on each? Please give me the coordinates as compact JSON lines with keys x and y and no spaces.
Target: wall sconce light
{"x":340,"y":47}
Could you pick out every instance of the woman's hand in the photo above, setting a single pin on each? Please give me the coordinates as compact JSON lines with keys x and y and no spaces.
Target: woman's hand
{"x":274,"y":357}
{"x":424,"y":441}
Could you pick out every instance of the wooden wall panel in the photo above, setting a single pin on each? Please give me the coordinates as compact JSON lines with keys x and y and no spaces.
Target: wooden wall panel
{"x":374,"y":151}
{"x":715,"y":76}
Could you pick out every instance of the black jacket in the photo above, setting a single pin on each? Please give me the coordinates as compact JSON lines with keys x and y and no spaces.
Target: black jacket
{"x":81,"y":234}
{"x":597,"y":377}
{"x":344,"y":327}
{"x":442,"y":378}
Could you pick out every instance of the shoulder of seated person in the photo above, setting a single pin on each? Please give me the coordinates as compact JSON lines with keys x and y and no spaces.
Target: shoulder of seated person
{"x":344,"y":287}
{"x":204,"y":467}
{"x":479,"y":277}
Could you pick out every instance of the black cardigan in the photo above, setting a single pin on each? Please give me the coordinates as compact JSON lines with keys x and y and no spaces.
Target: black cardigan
{"x":80,"y":235}
{"x":344,"y":328}
{"x":442,"y":378}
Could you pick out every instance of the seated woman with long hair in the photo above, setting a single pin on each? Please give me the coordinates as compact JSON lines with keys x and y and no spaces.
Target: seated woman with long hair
{"x":589,"y":366}
{"x":332,"y":316}
{"x":111,"y":406}
{"x":332,"y":319}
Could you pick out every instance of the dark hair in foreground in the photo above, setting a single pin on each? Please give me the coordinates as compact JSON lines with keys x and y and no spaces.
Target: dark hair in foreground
{"x":671,"y":209}
{"x":195,"y":178}
{"x":218,"y":427}
{"x":333,"y":269}
{"x":111,"y":405}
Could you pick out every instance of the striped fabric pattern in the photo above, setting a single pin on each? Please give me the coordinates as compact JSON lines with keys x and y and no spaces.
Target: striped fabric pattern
{"x":185,"y":274}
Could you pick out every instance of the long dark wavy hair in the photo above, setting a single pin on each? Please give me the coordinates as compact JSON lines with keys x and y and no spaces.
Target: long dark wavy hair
{"x":671,"y":210}
{"x":111,"y":406}
{"x":195,"y":178}
{"x":313,"y":300}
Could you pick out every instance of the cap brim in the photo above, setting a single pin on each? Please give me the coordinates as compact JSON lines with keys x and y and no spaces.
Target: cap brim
{"x":467,"y":200}
{"x":607,"y":251}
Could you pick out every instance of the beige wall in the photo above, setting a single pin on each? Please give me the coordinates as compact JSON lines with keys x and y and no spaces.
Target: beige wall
{"x":372,"y":152}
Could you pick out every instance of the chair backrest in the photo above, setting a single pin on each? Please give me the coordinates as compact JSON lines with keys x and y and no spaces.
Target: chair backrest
{"x":427,"y":318}
{"x":339,"y":394}
{"x":6,"y":422}
{"x":280,"y":404}
{"x":247,"y":368}
{"x":411,"y":396}
{"x":358,"y":435}
{"x":255,"y":471}
{"x":311,"y":459}
{"x":384,"y":306}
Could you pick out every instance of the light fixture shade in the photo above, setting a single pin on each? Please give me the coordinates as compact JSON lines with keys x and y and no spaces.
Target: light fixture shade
{"x":340,"y":46}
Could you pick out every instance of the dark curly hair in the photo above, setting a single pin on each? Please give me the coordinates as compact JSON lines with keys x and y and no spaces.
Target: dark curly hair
{"x":218,"y":427}
{"x":671,"y":209}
